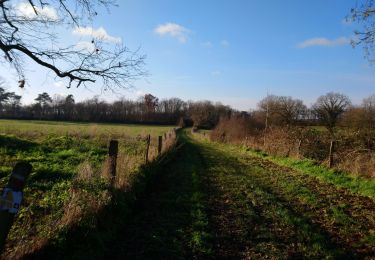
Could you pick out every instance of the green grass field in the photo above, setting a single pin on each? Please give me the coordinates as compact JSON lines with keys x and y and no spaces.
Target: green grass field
{"x":34,"y":129}
{"x":218,"y":201}
{"x":61,"y":153}
{"x":205,"y":200}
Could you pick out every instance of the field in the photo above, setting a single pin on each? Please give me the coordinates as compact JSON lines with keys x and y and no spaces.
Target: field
{"x":206,"y":200}
{"x":223,"y":201}
{"x":65,"y":156}
{"x":53,"y":128}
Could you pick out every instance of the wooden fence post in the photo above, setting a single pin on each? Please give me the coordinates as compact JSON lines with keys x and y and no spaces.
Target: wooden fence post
{"x":160,"y":144}
{"x":112,"y":152}
{"x":299,"y":148}
{"x":11,"y":198}
{"x":147,"y":146}
{"x":331,"y":151}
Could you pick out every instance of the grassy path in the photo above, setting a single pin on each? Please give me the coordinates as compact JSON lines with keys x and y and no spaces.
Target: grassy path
{"x":215,"y":201}
{"x":170,"y":221}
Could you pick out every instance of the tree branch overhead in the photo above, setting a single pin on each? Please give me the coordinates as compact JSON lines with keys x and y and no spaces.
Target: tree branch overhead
{"x":28,"y":30}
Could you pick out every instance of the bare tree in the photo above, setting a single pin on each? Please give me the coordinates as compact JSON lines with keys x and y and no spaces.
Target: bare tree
{"x":281,"y":109}
{"x":328,"y":108}
{"x":368,"y":105}
{"x":205,"y":114}
{"x":290,"y":110}
{"x":151,"y":102}
{"x":29,"y":31}
{"x":364,"y":13}
{"x":268,"y":107}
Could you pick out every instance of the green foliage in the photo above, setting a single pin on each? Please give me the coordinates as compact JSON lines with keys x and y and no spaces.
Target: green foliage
{"x":56,"y":150}
{"x":356,"y":184}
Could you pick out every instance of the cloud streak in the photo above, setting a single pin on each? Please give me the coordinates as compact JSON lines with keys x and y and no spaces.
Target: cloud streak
{"x":174,"y":30}
{"x":84,"y":45}
{"x":27,"y":11}
{"x":99,"y":33}
{"x":323,"y":42}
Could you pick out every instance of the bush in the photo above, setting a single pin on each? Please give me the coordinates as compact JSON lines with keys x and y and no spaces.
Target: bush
{"x":354,"y":149}
{"x":235,"y":129}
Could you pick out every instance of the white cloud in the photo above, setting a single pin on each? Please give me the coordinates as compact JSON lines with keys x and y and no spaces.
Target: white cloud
{"x":84,"y":45}
{"x":323,"y":42}
{"x":58,"y":84}
{"x":173,"y":30}
{"x":208,"y":44}
{"x":224,"y":43}
{"x":140,"y":93}
{"x":27,"y":11}
{"x":99,"y":33}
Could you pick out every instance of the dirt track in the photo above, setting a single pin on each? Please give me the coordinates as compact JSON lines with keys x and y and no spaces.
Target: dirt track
{"x":213,"y":202}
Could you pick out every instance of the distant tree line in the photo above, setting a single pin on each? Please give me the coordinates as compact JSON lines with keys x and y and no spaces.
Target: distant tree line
{"x":329,"y":110}
{"x":146,"y":110}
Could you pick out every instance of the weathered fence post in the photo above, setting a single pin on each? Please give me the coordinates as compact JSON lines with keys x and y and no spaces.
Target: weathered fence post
{"x":112,"y":152}
{"x":160,"y":144}
{"x":147,"y":146}
{"x":11,"y":198}
{"x":331,"y":151}
{"x":299,"y":148}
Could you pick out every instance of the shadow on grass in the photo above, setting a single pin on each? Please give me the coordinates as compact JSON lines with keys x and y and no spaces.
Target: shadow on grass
{"x":200,"y":202}
{"x":13,"y":143}
{"x":158,"y":218}
{"x":48,"y":175}
{"x":251,"y":218}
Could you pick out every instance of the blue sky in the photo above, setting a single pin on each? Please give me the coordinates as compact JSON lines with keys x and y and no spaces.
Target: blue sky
{"x":230,"y":51}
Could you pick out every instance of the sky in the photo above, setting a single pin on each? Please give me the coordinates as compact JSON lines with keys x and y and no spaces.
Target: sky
{"x":234,"y":52}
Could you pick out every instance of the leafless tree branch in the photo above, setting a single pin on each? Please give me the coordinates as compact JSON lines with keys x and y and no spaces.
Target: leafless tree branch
{"x":364,"y":14}
{"x":25,"y":36}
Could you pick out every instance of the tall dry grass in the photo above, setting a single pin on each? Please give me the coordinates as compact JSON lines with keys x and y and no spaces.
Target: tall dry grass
{"x":354,"y":152}
{"x":82,"y":203}
{"x":87,"y":196}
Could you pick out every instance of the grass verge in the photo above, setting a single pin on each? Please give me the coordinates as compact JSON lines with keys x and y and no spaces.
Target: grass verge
{"x":259,"y":208}
{"x":354,"y":183}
